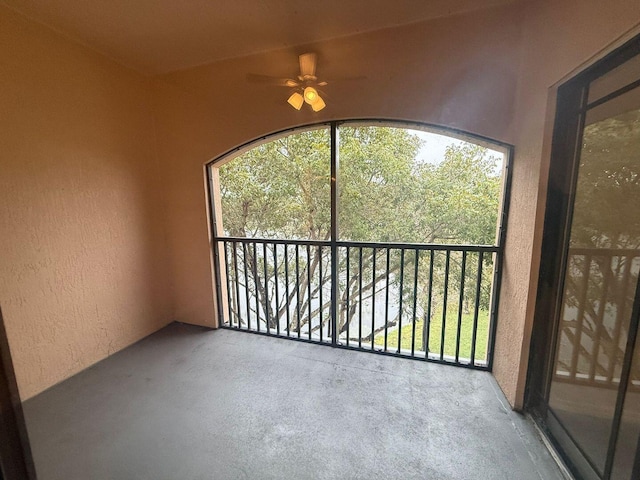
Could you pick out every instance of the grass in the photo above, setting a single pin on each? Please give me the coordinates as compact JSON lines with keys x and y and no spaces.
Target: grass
{"x":435,"y":330}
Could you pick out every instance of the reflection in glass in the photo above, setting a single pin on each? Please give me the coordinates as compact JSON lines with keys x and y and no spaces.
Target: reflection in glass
{"x":627,"y":446}
{"x":600,"y":279}
{"x":617,"y":78}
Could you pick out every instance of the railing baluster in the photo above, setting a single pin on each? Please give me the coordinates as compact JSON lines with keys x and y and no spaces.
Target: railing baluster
{"x":460,"y":304}
{"x":267,"y":312}
{"x":348,"y":306}
{"x":246,"y":284}
{"x":256,"y":280}
{"x":309,"y":285}
{"x":360,"y":298}
{"x":427,"y":320}
{"x":415,"y":300}
{"x":298,"y":287}
{"x":235,"y":275}
{"x":277,"y":293}
{"x":400,"y":301}
{"x":444,"y":303}
{"x":476,"y":310}
{"x":373,"y":296}
{"x":229,"y":287}
{"x":286,"y":287}
{"x":386,"y":312}
{"x":321,"y":287}
{"x":249,"y":275}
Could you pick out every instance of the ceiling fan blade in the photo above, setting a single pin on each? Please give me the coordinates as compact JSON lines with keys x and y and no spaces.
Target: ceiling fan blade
{"x":308,"y":64}
{"x":268,"y":80}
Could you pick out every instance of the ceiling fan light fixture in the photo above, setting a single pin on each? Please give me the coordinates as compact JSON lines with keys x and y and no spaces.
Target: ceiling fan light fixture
{"x":311,"y":95}
{"x":318,"y":104}
{"x":296,"y":100}
{"x":304,"y":89}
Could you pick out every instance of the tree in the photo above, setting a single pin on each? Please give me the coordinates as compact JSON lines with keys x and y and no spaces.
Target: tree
{"x":281,"y":189}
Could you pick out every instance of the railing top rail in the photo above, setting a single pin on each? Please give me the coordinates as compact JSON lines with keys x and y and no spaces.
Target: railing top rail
{"x":278,"y":241}
{"x":612,"y":252}
{"x":420,"y":246}
{"x":349,"y":243}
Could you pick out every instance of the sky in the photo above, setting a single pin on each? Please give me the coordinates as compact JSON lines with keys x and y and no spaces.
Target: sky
{"x":435,"y":145}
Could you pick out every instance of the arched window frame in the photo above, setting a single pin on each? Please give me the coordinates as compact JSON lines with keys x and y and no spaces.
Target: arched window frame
{"x":214,"y":209}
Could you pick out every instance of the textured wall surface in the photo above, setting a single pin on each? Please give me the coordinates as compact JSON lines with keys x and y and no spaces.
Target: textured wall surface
{"x":490,"y":73}
{"x":559,"y":38}
{"x":81,"y":239}
{"x":437,"y":72}
{"x":103,"y":217}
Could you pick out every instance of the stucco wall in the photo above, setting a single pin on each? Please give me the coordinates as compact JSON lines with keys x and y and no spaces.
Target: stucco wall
{"x":492,"y":73}
{"x":81,"y":239}
{"x":458,"y":72}
{"x":103,"y":213}
{"x":559,"y":39}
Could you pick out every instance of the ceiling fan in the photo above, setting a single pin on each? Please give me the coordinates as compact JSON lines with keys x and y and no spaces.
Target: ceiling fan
{"x":305,"y":87}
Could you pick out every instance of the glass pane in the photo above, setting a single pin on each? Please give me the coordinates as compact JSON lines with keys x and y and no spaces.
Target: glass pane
{"x":628,"y":102}
{"x":277,"y":190}
{"x":617,"y":78}
{"x":280,"y":189}
{"x":628,"y":444}
{"x":399,"y":185}
{"x":602,"y":271}
{"x":405,"y":185}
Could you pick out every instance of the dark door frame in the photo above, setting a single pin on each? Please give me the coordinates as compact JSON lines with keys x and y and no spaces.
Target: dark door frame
{"x":571,"y":107}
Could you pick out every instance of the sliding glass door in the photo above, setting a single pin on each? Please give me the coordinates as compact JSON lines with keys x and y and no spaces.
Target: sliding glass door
{"x":588,"y":397}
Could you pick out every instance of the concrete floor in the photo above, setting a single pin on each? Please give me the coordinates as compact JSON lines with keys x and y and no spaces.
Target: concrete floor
{"x":189,"y":403}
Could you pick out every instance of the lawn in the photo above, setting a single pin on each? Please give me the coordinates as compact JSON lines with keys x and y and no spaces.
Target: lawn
{"x":451,"y":328}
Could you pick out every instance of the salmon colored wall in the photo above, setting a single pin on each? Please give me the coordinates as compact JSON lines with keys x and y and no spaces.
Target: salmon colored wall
{"x":491,"y":73}
{"x":103,"y":212}
{"x":186,"y":127}
{"x":459,"y":72}
{"x":82,"y":243}
{"x":559,"y":39}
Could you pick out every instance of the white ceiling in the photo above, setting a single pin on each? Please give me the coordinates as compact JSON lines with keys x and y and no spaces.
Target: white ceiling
{"x":159,"y":36}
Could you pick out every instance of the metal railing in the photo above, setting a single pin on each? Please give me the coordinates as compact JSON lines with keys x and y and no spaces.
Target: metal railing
{"x":598,"y":297}
{"x":431,"y":302}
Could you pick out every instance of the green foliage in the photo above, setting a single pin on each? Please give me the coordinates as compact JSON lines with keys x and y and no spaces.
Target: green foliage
{"x":377,"y":195}
{"x":451,"y":332}
{"x":463,"y":193}
{"x":281,"y":189}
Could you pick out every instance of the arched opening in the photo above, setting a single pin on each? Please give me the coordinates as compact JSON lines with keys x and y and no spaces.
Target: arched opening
{"x":381,"y":236}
